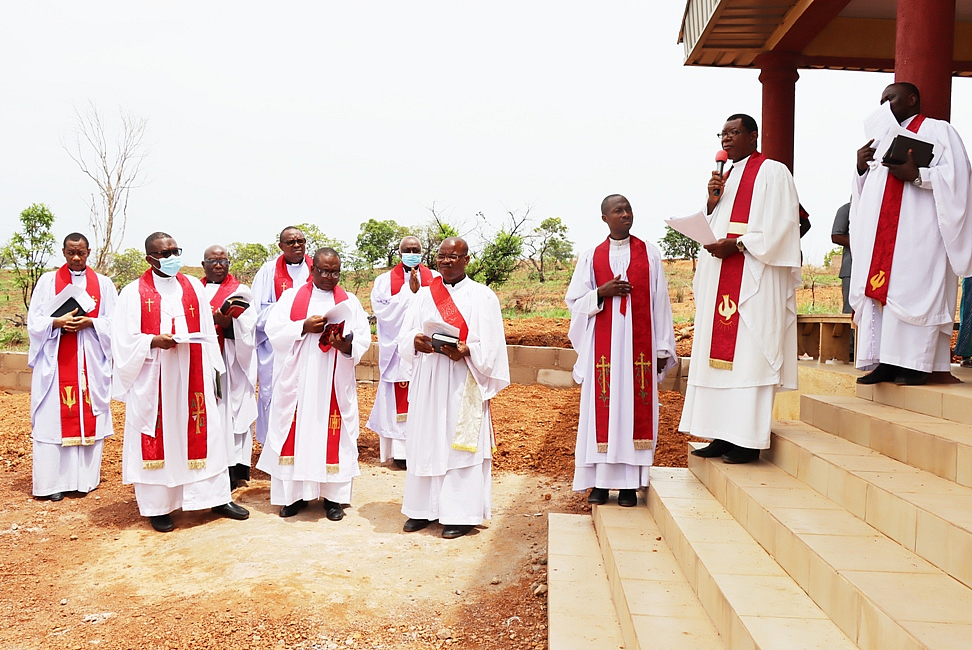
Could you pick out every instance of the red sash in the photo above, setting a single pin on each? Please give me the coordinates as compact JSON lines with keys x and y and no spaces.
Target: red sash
{"x":153,"y":449}
{"x":298,"y":312}
{"x":879,"y":274}
{"x":642,"y":346}
{"x":226,"y":289}
{"x":398,"y":277}
{"x":725,"y":321}
{"x":447,"y":307}
{"x":401,"y":401}
{"x":281,"y":278}
{"x":72,"y":388}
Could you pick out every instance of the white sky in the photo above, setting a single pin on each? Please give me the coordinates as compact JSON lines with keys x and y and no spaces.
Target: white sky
{"x":262,"y":115}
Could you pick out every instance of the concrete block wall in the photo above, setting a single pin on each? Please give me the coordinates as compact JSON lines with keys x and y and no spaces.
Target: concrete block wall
{"x":14,"y":373}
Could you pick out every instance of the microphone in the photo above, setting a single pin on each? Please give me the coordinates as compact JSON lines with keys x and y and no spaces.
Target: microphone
{"x":721,"y":158}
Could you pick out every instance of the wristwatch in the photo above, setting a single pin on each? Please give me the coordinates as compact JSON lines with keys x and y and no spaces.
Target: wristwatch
{"x":917,"y":181}
{"x":740,"y":246}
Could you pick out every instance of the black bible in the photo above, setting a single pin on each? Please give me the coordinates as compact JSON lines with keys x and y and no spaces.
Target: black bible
{"x":921,"y":151}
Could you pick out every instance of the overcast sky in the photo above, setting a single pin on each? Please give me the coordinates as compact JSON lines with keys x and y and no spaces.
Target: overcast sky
{"x":261,"y":115}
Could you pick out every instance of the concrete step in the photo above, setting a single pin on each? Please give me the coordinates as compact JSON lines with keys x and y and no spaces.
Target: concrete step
{"x":880,"y":594}
{"x":749,"y":597}
{"x":580,"y":615}
{"x":924,"y":513}
{"x":947,"y":401}
{"x":936,"y":445}
{"x":653,"y":599}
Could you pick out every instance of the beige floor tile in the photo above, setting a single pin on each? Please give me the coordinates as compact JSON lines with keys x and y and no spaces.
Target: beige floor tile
{"x":854,"y":426}
{"x":646,"y":566}
{"x":677,"y":633}
{"x":681,"y":489}
{"x":634,"y":539}
{"x":576,"y":568}
{"x":865,"y":392}
{"x":924,"y":399}
{"x":931,"y":539}
{"x":761,"y":526}
{"x":562,"y":523}
{"x":957,"y":407}
{"x":713,"y":601}
{"x":671,"y":474}
{"x":759,"y":474}
{"x":566,"y":596}
{"x":784,"y":456}
{"x":823,"y":522}
{"x":933,"y":454}
{"x":797,"y":633}
{"x":793,"y":556}
{"x":835,"y":596}
{"x":617,"y":517}
{"x":574,"y":632}
{"x":881,"y":632}
{"x":772,"y":498}
{"x":889,"y":439}
{"x":941,"y":635}
{"x":701,"y":530}
{"x":946,"y":429}
{"x":955,"y":508}
{"x":806,"y":408}
{"x":892,"y":516}
{"x":905,"y":482}
{"x":848,"y":490}
{"x":767,"y":596}
{"x":888,"y":394}
{"x":825,"y":416}
{"x":574,"y":545}
{"x":815,"y":472}
{"x":658,"y":597}
{"x":739,"y":635}
{"x":924,"y":597}
{"x":700,"y":507}
{"x":742,"y":559}
{"x":869,"y":461}
{"x":856,"y":553}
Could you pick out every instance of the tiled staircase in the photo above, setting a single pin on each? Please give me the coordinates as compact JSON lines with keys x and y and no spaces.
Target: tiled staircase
{"x":853,"y":531}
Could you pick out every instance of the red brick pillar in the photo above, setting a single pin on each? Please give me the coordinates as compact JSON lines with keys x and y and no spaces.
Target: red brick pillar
{"x":778,"y":76}
{"x":923,"y":46}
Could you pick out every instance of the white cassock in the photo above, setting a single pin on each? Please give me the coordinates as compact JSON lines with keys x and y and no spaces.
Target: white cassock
{"x":449,"y":408}
{"x":264,"y":297}
{"x":932,"y":250}
{"x":77,"y":468}
{"x":737,"y":405}
{"x":138,"y":368}
{"x":390,"y":312}
{"x":237,"y":406}
{"x":622,"y":466}
{"x":303,"y":376}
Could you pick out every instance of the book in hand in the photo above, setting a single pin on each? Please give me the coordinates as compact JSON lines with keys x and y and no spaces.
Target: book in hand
{"x":897,"y":153}
{"x":70,"y":298}
{"x":67,"y":307}
{"x":332,"y":328}
{"x":439,"y":339}
{"x":234,"y":306}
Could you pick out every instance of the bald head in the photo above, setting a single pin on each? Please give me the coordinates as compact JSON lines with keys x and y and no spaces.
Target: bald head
{"x":215,"y":248}
{"x":456,"y":245}
{"x":410,"y":244}
{"x":215,"y":264}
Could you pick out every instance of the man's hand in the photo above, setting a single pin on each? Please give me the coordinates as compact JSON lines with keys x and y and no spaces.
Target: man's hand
{"x":865,"y":155}
{"x":340,"y":343}
{"x":77,"y":324}
{"x":906,"y":171}
{"x":414,"y":282}
{"x":456,"y":352}
{"x":423,"y":344}
{"x":314,"y":325}
{"x":614,"y":287}
{"x":222,"y":319}
{"x":723,"y":248}
{"x":716,"y":182}
{"x":61,"y":321}
{"x":163,"y":341}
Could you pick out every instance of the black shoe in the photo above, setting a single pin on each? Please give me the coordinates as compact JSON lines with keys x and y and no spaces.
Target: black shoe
{"x":883,"y":372}
{"x":452,"y":532}
{"x":598,"y":496}
{"x":627,"y":498}
{"x":57,"y":496}
{"x":910,"y":377}
{"x":741,"y":455}
{"x":714,"y":449}
{"x":334,"y":510}
{"x":415,"y":524}
{"x":232,"y":510}
{"x":293,"y":508}
{"x":401,"y":463}
{"x":162,"y":523}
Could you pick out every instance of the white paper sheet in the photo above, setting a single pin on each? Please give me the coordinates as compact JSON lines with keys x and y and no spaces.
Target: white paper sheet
{"x":194,"y":337}
{"x":695,"y":226}
{"x":435,"y":326}
{"x":338,"y":313}
{"x":82,"y":297}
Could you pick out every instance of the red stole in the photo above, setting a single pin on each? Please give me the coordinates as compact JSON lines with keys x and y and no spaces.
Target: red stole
{"x":281,"y":278}
{"x":447,"y":307}
{"x":72,"y":390}
{"x":401,"y":401}
{"x":882,"y":255}
{"x":298,"y":312}
{"x":642,"y":346}
{"x":725,"y":325}
{"x":153,"y":449}
{"x":398,"y":277}
{"x":226,"y":289}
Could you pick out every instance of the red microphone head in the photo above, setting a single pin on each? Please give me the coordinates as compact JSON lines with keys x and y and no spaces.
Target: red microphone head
{"x":722,"y":156}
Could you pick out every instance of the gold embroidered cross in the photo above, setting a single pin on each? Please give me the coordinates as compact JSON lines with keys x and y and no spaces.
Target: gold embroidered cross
{"x":192,"y":310}
{"x":603,"y":367}
{"x":642,"y":365}
{"x":148,"y":301}
{"x":199,"y":415}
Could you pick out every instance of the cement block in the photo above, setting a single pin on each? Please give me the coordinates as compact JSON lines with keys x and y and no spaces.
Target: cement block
{"x":523,"y":375}
{"x":8,"y":380}
{"x":526,"y":355}
{"x":13,"y":361}
{"x":555,"y":378}
{"x":23,"y":380}
{"x":566,"y":358}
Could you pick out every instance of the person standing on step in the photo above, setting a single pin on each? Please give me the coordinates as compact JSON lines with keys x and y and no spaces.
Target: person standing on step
{"x":744,"y":348}
{"x":391,"y":297}
{"x":621,"y":328}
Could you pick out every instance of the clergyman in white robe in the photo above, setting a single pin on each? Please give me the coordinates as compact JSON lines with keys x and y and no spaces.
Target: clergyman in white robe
{"x":622,"y":466}
{"x":59,"y":468}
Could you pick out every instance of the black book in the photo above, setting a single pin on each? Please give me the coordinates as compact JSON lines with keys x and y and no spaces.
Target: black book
{"x":438,"y":340}
{"x":897,"y":153}
{"x":67,"y":307}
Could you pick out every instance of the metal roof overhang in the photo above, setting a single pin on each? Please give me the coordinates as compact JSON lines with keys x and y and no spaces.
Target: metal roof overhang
{"x":825,"y":34}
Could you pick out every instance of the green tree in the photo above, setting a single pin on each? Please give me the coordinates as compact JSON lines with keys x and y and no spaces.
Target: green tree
{"x":317,"y":239}
{"x":498,"y":259}
{"x":678,"y":246}
{"x":431,"y":235}
{"x":548,"y":246}
{"x":378,"y":241}
{"x":29,"y":250}
{"x":127,"y":266}
{"x":246,"y":260}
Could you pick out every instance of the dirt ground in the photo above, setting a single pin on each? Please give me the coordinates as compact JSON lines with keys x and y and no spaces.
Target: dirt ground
{"x":90,"y":572}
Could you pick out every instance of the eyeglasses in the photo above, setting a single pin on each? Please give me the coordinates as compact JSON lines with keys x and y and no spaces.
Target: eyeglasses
{"x":294,"y":242}
{"x":450,"y":258}
{"x":729,"y":134}
{"x":167,"y":253}
{"x":328,"y":274}
{"x":225,"y":263}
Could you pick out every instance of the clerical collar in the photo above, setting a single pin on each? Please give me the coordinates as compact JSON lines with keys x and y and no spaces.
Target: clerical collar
{"x":163,"y":278}
{"x":908,"y":120}
{"x":620,"y":242}
{"x":293,"y":263}
{"x":453,"y":284}
{"x":78,"y":274}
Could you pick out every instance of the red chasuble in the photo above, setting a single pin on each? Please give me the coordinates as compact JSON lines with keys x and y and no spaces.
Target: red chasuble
{"x":73,"y":391}
{"x":281,"y":278}
{"x":879,"y":274}
{"x":447,"y":307}
{"x":226,"y":289}
{"x":153,"y":449}
{"x":643,"y":349}
{"x":398,"y":277}
{"x":725,"y":326}
{"x":298,"y":312}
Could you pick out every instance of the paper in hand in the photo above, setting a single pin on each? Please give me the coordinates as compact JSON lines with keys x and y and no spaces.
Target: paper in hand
{"x":70,"y":298}
{"x":695,"y":226}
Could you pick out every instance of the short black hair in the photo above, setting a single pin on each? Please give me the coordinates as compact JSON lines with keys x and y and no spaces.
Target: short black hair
{"x":607,"y":198}
{"x":748,"y":123}
{"x":156,"y":236}
{"x":326,"y":251}
{"x":910,"y":87}
{"x":280,"y":239}
{"x":76,"y":236}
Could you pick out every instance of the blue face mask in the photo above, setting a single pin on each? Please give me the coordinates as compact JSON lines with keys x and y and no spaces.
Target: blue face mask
{"x":411,"y":260}
{"x":170,"y":265}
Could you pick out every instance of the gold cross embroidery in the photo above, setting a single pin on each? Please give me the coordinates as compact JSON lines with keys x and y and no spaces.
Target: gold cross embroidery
{"x":192,"y":311}
{"x":199,"y":415}
{"x":603,"y":368}
{"x":148,"y":301}
{"x":642,"y":365}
